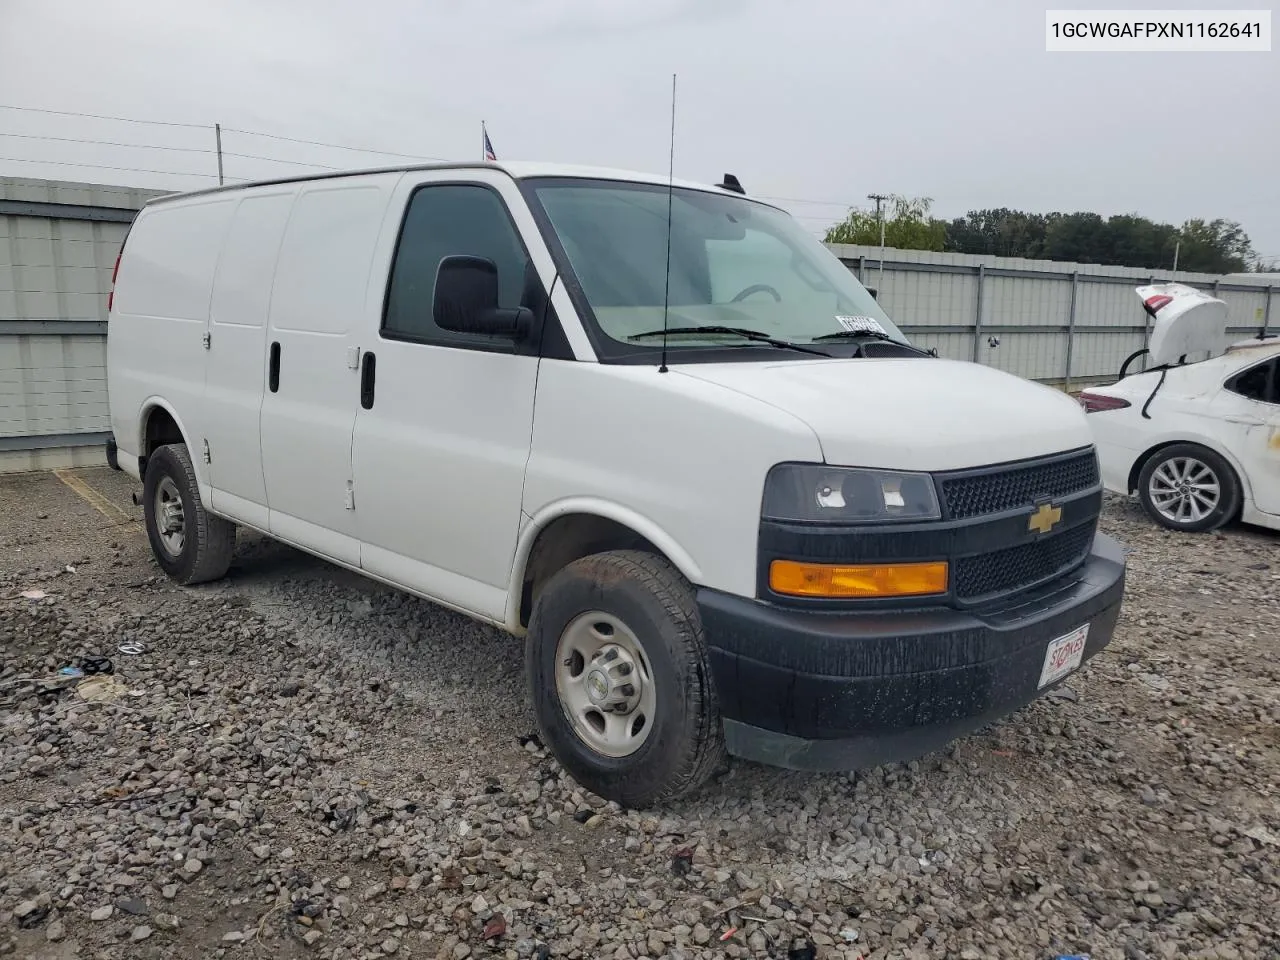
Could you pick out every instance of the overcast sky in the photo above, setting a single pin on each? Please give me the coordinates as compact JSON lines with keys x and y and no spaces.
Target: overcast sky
{"x":818,"y":100}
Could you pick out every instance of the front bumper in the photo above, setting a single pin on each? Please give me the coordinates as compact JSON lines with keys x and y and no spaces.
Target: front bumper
{"x":812,"y":690}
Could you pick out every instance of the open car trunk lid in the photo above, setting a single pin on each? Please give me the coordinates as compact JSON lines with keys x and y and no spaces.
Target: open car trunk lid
{"x":1186,"y":321}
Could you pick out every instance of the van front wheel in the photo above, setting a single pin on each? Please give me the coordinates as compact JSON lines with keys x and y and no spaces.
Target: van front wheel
{"x":190,"y":544}
{"x":617,"y":669}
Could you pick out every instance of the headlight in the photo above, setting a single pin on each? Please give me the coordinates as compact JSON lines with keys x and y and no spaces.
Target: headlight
{"x":814,"y":492}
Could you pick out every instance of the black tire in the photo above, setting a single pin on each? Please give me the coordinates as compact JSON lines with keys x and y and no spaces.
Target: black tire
{"x":1228,"y":501}
{"x":685,"y":743}
{"x":208,"y":541}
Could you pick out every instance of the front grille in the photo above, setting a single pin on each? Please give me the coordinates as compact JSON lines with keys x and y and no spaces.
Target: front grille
{"x":976,"y":494}
{"x":1004,"y":571}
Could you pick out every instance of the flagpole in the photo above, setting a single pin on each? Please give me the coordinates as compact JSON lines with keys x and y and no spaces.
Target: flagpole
{"x":483,"y":132}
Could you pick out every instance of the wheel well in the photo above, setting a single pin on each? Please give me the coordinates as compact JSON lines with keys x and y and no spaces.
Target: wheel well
{"x":160,"y":429}
{"x":570,"y":538}
{"x":1141,"y":462}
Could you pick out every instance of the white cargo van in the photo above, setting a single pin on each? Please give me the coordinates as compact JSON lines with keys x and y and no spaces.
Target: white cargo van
{"x":778,"y":529}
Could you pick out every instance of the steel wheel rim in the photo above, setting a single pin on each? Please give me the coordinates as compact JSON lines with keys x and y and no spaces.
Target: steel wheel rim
{"x":605,"y":684}
{"x":171,"y":520}
{"x":1184,"y":490}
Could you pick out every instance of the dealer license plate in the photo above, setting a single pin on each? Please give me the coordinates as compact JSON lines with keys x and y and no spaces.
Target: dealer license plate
{"x":1063,"y":655}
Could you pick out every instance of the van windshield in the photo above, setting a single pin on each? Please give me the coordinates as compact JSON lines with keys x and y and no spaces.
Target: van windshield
{"x":735,"y":263}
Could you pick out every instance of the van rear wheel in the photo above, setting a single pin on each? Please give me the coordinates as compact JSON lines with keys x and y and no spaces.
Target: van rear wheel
{"x":190,"y":544}
{"x":617,"y":669}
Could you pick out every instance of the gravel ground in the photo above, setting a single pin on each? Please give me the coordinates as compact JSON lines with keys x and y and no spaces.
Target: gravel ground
{"x":300,"y":763}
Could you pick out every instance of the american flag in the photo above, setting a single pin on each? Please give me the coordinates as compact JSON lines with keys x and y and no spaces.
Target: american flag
{"x":488,"y":147}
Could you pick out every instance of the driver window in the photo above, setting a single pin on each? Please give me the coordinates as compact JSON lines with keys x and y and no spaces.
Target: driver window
{"x":444,"y":220}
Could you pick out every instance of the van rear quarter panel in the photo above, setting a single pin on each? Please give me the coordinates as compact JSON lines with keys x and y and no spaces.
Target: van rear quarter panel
{"x":159,"y":314}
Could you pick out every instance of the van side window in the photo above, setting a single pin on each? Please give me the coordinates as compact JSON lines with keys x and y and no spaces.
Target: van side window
{"x":443,"y":221}
{"x":1257,"y":383}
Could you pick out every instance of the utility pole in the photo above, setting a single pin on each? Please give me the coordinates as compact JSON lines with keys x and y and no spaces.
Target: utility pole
{"x":217,"y":138}
{"x":1176,"y":247}
{"x":879,"y":198}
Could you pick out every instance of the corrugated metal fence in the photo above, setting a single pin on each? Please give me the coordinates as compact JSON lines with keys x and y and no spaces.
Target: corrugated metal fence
{"x":1067,"y":324}
{"x":58,"y":245}
{"x":1061,"y":323}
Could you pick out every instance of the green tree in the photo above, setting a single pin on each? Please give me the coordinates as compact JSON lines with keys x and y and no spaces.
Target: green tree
{"x":1125,"y":240}
{"x":1138,"y":242}
{"x":1001,"y":232}
{"x":1078,"y":237}
{"x":1216,"y":246}
{"x":908,"y":226}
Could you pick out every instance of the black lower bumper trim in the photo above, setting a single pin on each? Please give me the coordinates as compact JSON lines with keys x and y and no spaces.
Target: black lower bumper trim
{"x":817,"y":690}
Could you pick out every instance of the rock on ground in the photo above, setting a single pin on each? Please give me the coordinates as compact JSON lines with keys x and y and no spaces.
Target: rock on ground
{"x":326,"y":768}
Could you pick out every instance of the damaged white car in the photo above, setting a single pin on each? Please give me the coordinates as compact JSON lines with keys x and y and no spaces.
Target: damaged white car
{"x":1199,"y":442}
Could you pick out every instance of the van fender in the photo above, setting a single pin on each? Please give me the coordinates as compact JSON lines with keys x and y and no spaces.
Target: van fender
{"x":197,"y":461}
{"x":607,"y":510}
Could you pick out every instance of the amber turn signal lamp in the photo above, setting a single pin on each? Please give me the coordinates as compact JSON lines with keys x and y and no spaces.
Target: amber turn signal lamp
{"x":866,"y":582}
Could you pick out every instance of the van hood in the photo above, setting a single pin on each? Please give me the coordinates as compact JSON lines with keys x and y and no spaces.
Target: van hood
{"x":909,"y":414}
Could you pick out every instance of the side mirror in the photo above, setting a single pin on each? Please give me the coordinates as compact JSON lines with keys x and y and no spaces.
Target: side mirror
{"x":466,"y":300}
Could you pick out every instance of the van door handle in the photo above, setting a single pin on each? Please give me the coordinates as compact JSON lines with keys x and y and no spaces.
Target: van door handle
{"x":368,"y":367}
{"x":273,"y":368}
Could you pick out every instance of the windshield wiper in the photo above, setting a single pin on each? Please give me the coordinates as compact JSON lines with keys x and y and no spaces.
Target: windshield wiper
{"x":854,"y":334}
{"x":868,"y":334}
{"x":743,"y":332}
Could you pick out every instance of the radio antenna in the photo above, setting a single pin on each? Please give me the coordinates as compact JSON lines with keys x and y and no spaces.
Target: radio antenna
{"x":671,"y":166}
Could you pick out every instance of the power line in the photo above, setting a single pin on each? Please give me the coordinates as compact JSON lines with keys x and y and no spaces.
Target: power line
{"x":102,"y":166}
{"x":338,"y":146}
{"x":271,"y":136}
{"x":99,"y":116}
{"x":257,"y":133}
{"x":296,"y":163}
{"x":205,"y":126}
{"x":106,"y":143}
{"x":827,"y":203}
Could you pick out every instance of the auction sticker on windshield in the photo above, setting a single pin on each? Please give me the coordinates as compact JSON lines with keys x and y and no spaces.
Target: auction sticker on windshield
{"x":860,"y":324}
{"x":1064,"y":655}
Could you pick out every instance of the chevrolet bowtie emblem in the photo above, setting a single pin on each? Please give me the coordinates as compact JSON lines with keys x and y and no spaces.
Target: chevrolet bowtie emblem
{"x":1044,"y":519}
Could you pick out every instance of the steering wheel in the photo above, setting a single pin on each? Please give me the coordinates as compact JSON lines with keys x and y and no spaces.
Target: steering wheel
{"x":757,"y":288}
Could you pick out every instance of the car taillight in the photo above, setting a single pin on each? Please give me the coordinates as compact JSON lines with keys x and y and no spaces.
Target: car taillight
{"x":1097,"y":402}
{"x":114,"y":270}
{"x":1154,"y":303}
